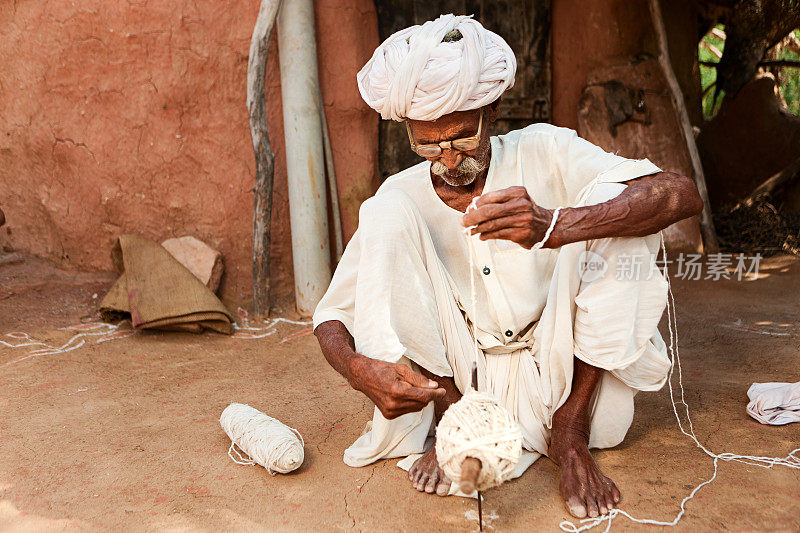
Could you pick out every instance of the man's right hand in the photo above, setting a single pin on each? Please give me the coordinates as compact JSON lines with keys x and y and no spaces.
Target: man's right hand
{"x":394,"y":388}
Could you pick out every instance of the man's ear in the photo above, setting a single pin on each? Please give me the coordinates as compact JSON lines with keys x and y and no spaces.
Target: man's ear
{"x":493,"y":109}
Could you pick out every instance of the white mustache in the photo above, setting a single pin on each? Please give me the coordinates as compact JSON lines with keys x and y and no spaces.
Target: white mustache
{"x":469,"y":165}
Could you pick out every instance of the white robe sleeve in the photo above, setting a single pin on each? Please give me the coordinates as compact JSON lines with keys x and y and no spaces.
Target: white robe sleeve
{"x":584,"y":166}
{"x":615,"y":320}
{"x":339,"y":300}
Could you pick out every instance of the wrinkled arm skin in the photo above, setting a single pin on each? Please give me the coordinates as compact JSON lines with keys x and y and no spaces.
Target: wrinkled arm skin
{"x":339,"y":349}
{"x":394,"y":388}
{"x":646,"y":206}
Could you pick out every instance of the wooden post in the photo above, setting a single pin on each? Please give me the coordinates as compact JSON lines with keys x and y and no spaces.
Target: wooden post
{"x":265,"y":159}
{"x":706,"y":223}
{"x":338,"y":238}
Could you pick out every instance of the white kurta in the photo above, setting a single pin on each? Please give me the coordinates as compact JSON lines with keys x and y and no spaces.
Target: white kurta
{"x":402,"y":289}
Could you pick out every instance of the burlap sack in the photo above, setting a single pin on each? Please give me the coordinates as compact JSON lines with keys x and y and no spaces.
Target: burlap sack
{"x":160,"y":293}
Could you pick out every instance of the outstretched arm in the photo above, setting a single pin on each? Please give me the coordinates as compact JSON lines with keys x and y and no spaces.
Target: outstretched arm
{"x":646,"y":206}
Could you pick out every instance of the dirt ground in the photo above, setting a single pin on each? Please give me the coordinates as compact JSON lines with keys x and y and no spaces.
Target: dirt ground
{"x":121,"y":432}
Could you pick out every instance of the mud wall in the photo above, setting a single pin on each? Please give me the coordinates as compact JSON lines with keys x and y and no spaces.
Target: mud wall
{"x":588,"y":35}
{"x":129,"y":117}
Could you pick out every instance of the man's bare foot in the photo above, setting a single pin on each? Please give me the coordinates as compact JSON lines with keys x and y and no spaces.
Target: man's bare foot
{"x":426,"y":476}
{"x":586,"y":491}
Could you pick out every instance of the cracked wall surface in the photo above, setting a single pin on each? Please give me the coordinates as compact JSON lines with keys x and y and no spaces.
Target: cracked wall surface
{"x":129,"y":117}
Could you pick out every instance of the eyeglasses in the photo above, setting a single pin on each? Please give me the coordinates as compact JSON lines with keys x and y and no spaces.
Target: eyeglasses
{"x":465,"y":144}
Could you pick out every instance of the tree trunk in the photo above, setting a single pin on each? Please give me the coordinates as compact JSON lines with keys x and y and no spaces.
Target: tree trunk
{"x":706,"y":224}
{"x":265,"y":159}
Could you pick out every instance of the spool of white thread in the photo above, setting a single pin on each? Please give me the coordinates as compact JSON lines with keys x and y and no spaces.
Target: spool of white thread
{"x":478,"y":426}
{"x":266,"y":441}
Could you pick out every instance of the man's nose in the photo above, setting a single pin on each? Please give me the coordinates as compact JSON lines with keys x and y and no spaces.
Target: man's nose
{"x":451,"y":158}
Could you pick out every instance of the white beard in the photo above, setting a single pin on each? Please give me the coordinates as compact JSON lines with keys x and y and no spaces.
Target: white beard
{"x":466,"y":172}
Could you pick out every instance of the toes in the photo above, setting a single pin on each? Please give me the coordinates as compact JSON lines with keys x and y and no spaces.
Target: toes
{"x":576,"y":507}
{"x":443,"y":488}
{"x":615,"y":494}
{"x":601,"y":506}
{"x":586,"y":491}
{"x":419,"y":484}
{"x":415,"y":469}
{"x":609,"y":500}
{"x":602,"y":495}
{"x":591,"y":507}
{"x":430,"y":486}
{"x":417,"y":479}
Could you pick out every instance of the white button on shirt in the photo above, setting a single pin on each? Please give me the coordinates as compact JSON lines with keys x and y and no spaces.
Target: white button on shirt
{"x":557,"y":168}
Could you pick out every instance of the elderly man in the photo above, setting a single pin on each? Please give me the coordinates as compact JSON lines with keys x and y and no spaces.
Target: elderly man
{"x":563,"y":332}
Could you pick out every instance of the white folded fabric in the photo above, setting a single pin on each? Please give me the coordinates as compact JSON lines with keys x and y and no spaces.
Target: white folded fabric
{"x":774,"y":403}
{"x":416,"y":73}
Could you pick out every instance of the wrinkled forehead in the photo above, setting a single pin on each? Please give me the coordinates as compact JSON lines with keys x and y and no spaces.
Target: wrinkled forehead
{"x":450,"y":126}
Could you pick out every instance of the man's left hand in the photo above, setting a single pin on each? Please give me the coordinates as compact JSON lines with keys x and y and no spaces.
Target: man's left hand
{"x":509,"y":214}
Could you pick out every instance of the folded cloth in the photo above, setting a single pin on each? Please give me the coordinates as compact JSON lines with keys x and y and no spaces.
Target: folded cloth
{"x":160,"y":293}
{"x":774,"y":403}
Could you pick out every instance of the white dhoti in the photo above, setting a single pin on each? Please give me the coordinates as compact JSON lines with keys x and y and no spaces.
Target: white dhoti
{"x":401,"y":304}
{"x":531,"y":376}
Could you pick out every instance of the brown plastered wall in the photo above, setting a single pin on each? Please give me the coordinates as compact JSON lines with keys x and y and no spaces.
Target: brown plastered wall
{"x":587,"y":35}
{"x":129,"y":117}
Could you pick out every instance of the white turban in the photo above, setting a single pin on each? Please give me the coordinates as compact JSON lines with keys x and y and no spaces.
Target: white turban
{"x":413,"y":74}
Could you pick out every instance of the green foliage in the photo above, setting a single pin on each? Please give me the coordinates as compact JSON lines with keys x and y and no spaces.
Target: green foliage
{"x":790,"y":80}
{"x":708,"y":75}
{"x":790,"y":77}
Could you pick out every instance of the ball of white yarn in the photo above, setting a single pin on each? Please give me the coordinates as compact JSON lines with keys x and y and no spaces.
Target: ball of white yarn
{"x":478,"y":426}
{"x":267,"y":441}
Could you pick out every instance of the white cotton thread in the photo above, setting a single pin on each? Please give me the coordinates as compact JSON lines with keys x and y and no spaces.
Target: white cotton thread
{"x":244,"y":330}
{"x":100,"y":332}
{"x":471,"y":248}
{"x":792,"y":460}
{"x":477,"y":425}
{"x":87,"y":331}
{"x":265,"y":440}
{"x":550,"y":229}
